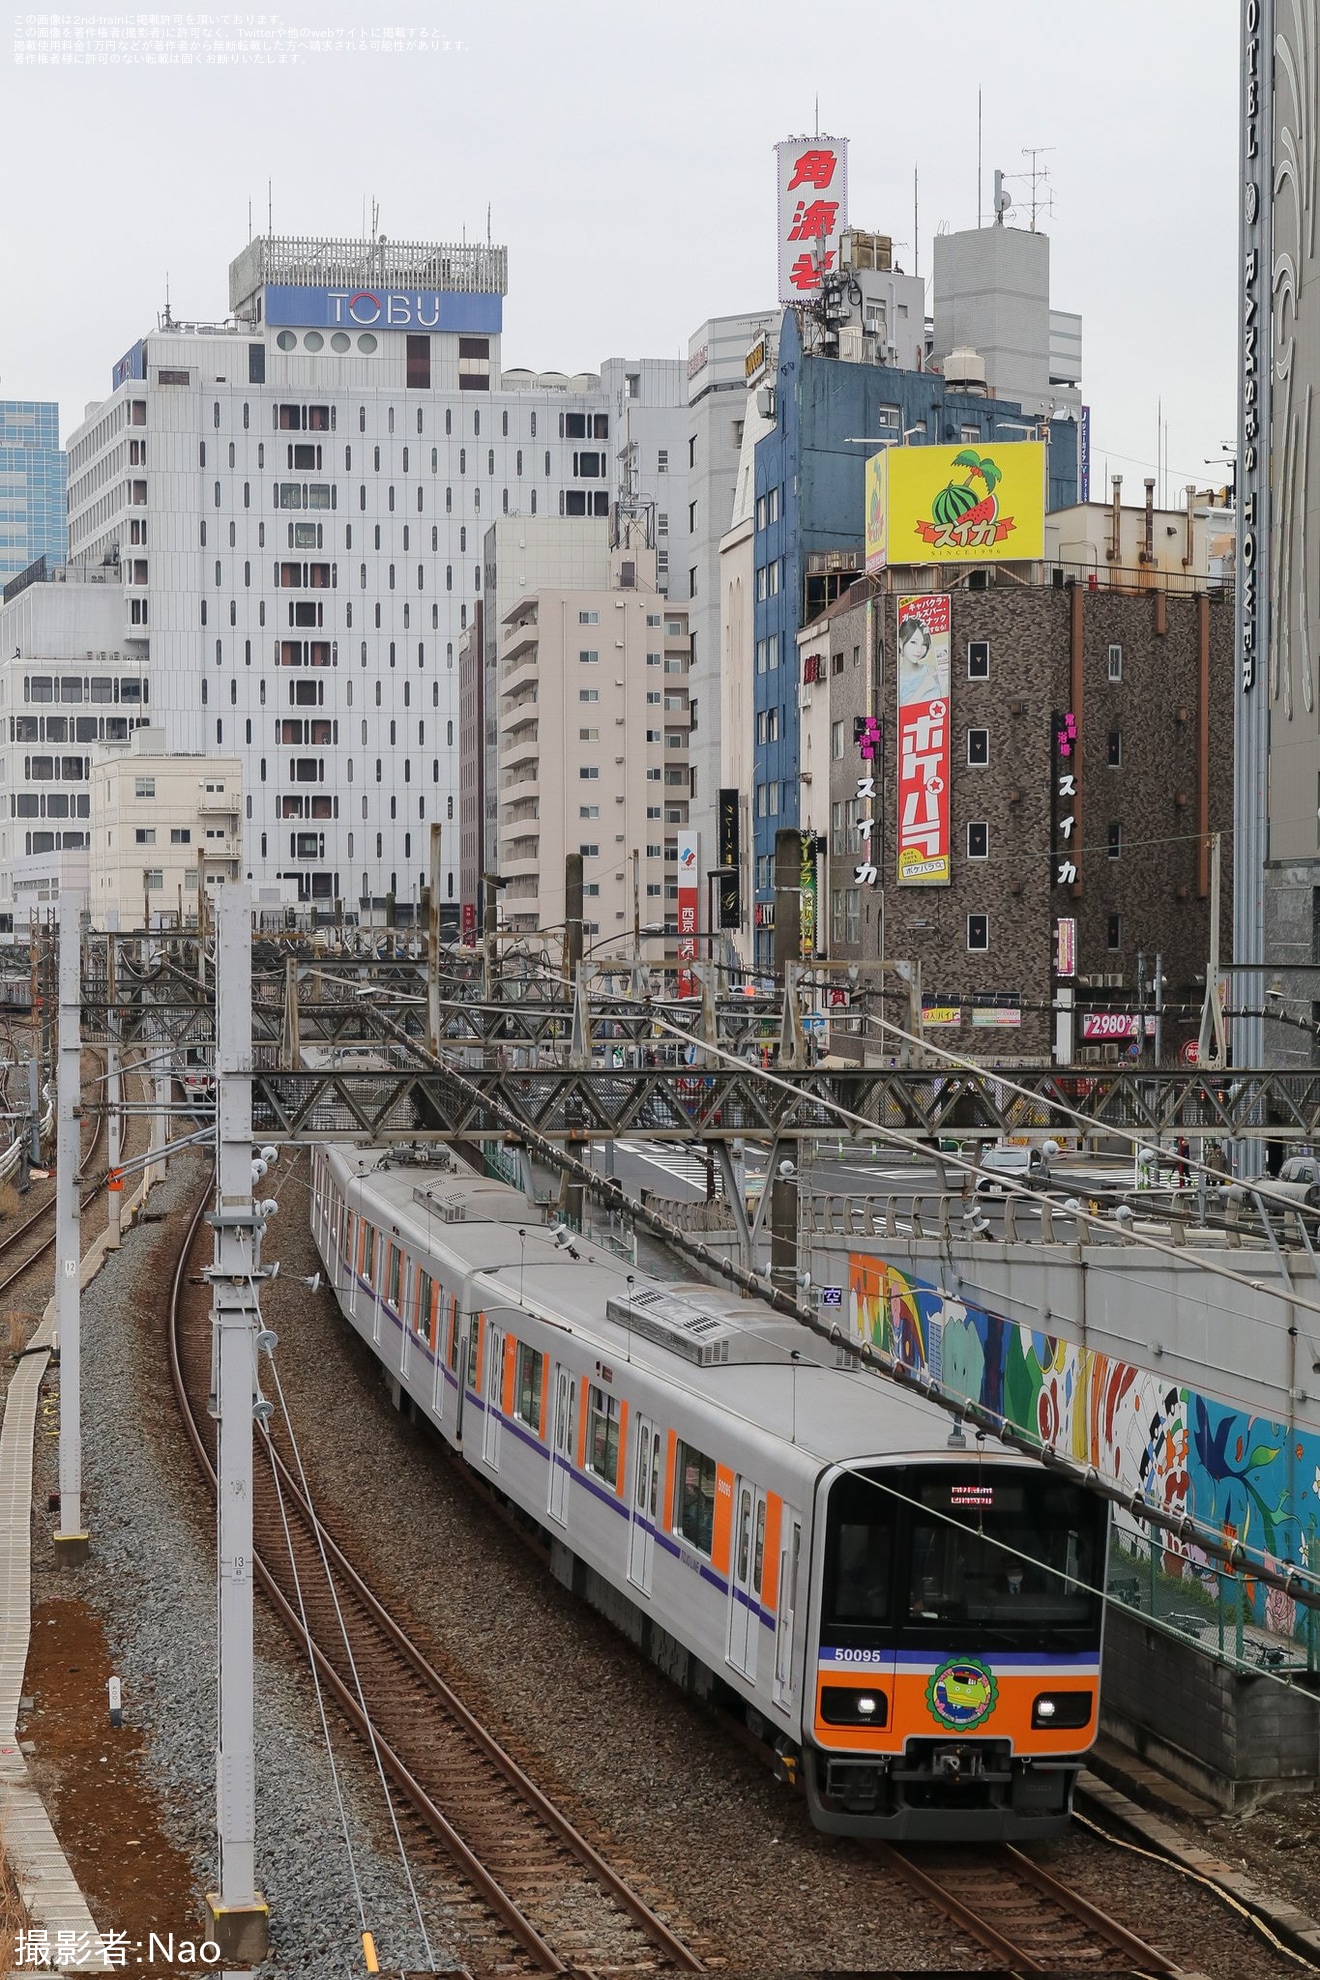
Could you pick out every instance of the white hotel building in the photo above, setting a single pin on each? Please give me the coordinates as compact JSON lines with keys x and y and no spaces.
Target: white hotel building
{"x":295,"y":500}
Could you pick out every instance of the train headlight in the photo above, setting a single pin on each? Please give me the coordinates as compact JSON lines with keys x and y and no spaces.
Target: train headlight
{"x":849,"y":1705}
{"x":1060,"y":1711}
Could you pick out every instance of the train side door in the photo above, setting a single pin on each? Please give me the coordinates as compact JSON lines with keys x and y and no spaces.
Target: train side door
{"x":490,"y":1435}
{"x":561,"y":1446}
{"x":790,"y":1549}
{"x":645,"y":1503}
{"x":747,"y":1577}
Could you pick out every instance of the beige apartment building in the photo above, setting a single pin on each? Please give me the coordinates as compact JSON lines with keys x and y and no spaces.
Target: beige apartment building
{"x":593,"y":730}
{"x":162,"y":827}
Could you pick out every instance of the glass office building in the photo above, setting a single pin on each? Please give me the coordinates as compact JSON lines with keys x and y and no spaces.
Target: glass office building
{"x":33,"y":476}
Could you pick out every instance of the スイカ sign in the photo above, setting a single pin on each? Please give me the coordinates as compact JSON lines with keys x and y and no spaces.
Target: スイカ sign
{"x":979,"y":504}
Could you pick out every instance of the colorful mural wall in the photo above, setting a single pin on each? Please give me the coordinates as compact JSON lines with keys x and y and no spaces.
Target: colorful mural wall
{"x":1185,"y":1452}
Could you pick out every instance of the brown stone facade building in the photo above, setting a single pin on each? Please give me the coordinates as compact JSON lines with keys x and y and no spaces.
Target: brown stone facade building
{"x":1103,"y":823}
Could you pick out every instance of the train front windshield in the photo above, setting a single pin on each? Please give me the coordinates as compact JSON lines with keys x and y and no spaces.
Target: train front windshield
{"x":963,"y":1555}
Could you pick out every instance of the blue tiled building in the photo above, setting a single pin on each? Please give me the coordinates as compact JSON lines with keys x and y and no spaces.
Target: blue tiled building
{"x":33,"y":481}
{"x":810,"y":501}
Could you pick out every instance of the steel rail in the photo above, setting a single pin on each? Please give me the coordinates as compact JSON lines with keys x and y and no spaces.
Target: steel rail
{"x":501,"y":1903}
{"x":1143,"y":1958}
{"x":46,"y":1209}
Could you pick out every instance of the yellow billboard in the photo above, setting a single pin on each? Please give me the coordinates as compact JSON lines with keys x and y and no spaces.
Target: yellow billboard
{"x":970,"y":504}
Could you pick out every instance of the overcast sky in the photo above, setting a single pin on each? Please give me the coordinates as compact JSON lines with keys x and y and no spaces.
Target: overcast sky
{"x":626,"y":156}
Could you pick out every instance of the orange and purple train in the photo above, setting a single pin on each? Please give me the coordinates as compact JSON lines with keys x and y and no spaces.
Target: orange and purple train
{"x":910,"y":1620}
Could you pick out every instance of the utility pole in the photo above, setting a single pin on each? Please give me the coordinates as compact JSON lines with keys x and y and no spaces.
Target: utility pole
{"x":1212,"y":1044}
{"x":637,"y":907}
{"x":239,"y":1917}
{"x":71,"y":1538}
{"x":1157,"y":993}
{"x":788,"y":898}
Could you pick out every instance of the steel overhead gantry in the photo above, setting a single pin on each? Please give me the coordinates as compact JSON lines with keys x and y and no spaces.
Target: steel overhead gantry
{"x":727,"y":1103}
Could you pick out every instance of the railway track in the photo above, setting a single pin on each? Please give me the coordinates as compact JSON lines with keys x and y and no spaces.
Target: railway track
{"x":1021,"y":1913}
{"x":11,"y":1239}
{"x":534,"y":1893}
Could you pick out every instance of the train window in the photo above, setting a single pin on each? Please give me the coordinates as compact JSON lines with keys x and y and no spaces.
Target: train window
{"x":528,"y":1374}
{"x":694,"y":1497}
{"x":425,"y":1294}
{"x":394,"y":1278}
{"x":369,"y":1253}
{"x":859,"y":1552}
{"x":758,"y":1558}
{"x":453,"y":1335}
{"x":474,"y":1351}
{"x":1004,"y":1549}
{"x":603,"y":1435}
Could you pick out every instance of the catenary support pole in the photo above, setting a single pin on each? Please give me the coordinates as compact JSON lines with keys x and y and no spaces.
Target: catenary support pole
{"x":71,"y":1538}
{"x":238,"y":1915}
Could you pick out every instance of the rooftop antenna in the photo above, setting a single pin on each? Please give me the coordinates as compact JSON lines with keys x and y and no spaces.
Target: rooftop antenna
{"x":817,"y":113}
{"x":1038,"y":175}
{"x":169,"y":320}
{"x":249,"y":223}
{"x":270,"y":207}
{"x":487,"y":223}
{"x":916,"y":230}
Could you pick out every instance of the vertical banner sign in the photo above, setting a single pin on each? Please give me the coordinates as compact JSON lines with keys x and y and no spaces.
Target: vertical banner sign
{"x":1263,"y":272}
{"x":813,"y":212}
{"x":1065,"y":946}
{"x":866,"y":735}
{"x":1084,"y":492}
{"x":1063,"y":851}
{"x":807,"y":881}
{"x":469,"y":924}
{"x":1254,"y":355}
{"x":877,"y":511}
{"x":689,"y":896}
{"x":728,"y":820}
{"x":923,"y":741}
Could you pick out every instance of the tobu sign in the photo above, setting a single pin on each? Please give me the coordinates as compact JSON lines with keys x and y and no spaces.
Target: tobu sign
{"x":924,"y":762}
{"x":813,"y":212}
{"x":299,"y":307}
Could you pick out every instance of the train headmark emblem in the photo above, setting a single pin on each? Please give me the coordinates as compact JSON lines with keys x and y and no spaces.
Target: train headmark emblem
{"x":962,"y":1693}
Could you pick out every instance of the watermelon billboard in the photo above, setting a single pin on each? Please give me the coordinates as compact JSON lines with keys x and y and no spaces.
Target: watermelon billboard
{"x":980,"y":503}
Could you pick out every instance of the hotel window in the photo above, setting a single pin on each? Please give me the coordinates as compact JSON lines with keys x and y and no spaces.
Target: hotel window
{"x":1115,"y":749}
{"x":978,"y":659}
{"x":978,"y":931}
{"x":1115,"y":663}
{"x":978,"y":839}
{"x":1114,"y":844}
{"x":978,"y":748}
